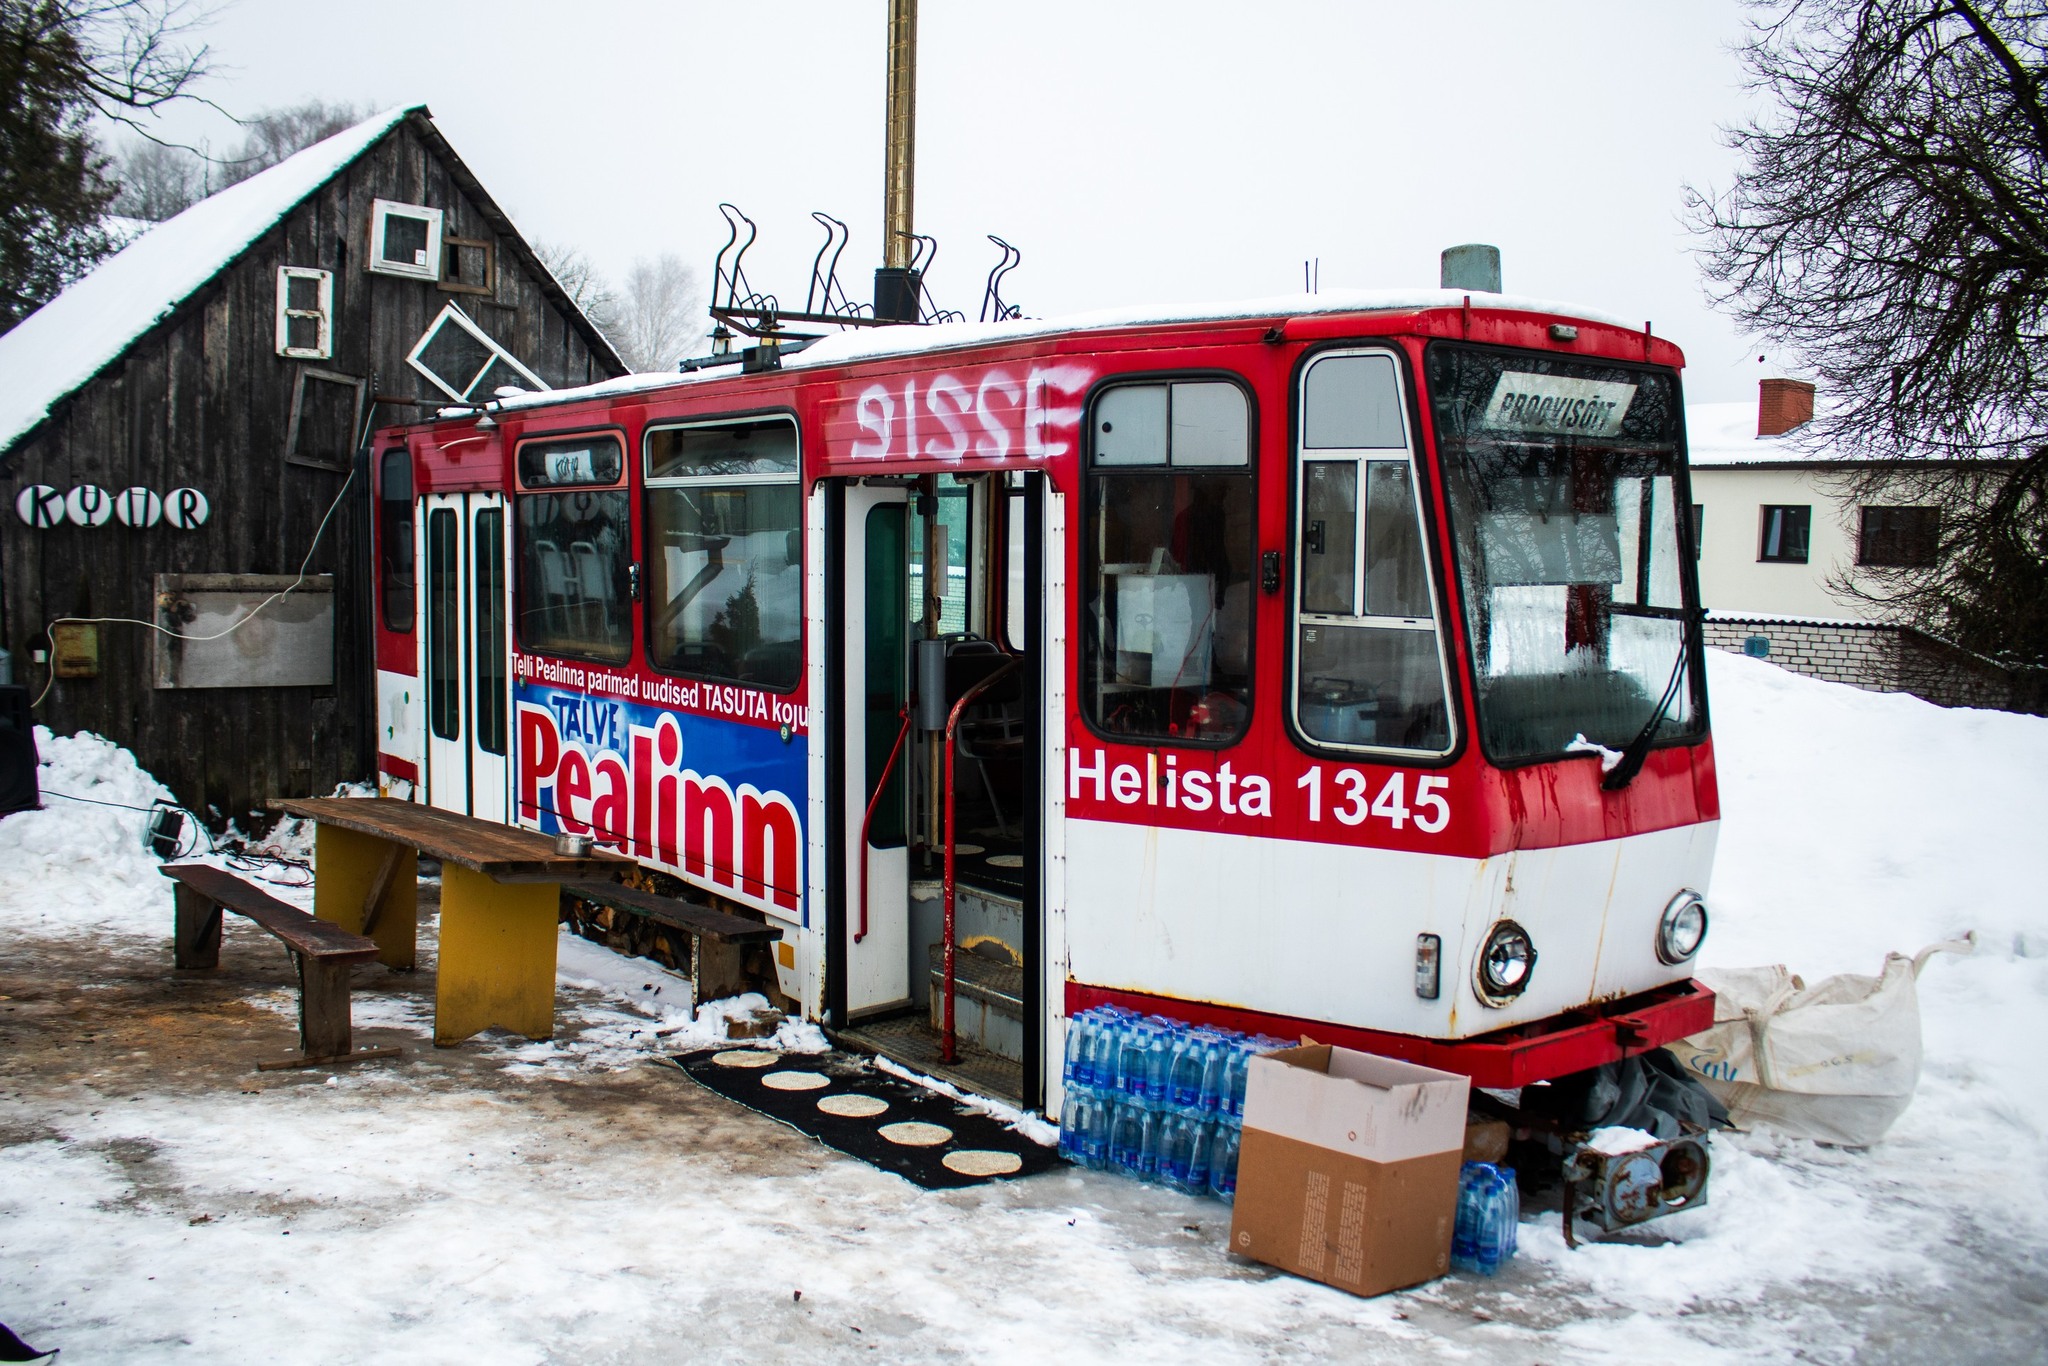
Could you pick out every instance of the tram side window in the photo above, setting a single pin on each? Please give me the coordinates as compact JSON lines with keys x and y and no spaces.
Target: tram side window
{"x":394,"y":539}
{"x":1369,"y":672}
{"x":725,"y":552}
{"x":1167,"y":622}
{"x":575,"y":549}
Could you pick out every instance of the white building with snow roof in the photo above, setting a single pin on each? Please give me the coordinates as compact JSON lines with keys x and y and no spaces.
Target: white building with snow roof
{"x":1779,"y":530}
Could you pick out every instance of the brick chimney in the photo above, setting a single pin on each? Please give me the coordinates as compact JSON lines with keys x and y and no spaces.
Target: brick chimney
{"x":1781,"y":405}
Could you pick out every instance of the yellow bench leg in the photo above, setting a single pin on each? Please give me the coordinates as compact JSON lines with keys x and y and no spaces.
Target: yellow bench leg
{"x":497,"y":957}
{"x":347,"y":865}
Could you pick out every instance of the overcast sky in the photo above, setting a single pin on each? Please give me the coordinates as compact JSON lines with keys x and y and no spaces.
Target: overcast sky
{"x":1136,"y":150}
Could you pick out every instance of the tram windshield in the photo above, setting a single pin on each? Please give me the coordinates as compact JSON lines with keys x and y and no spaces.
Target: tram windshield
{"x":1563,"y":480}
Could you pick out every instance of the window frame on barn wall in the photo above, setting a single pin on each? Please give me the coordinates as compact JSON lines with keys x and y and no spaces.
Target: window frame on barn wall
{"x":322,"y":313}
{"x":497,"y":354}
{"x":452,"y":279}
{"x":341,"y":461}
{"x":426,"y":264}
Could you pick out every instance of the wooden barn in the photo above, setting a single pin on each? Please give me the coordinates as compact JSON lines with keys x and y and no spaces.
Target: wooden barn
{"x":179,"y":442}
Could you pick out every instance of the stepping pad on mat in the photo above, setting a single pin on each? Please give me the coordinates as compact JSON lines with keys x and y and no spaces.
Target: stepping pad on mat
{"x":844,"y":1103}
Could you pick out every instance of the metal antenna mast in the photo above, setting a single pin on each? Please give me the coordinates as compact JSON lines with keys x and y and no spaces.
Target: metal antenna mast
{"x":896,"y":283}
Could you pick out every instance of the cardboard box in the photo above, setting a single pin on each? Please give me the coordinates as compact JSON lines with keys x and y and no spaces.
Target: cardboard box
{"x":1348,"y":1170}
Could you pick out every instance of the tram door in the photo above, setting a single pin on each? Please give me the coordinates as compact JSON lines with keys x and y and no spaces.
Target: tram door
{"x":876,"y":660}
{"x":465,"y":663}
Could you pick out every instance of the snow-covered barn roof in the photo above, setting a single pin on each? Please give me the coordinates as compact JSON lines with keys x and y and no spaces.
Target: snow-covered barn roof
{"x":63,"y":344}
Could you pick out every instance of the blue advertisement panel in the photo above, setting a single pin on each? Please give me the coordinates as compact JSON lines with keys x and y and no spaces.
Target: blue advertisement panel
{"x":717,"y":801}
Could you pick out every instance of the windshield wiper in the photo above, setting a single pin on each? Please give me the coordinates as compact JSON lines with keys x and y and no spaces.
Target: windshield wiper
{"x":1631,"y":762}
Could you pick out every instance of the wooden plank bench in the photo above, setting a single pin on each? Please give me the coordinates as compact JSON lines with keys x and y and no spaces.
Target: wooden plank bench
{"x":500,"y":903}
{"x":323,"y":952}
{"x":716,"y":937}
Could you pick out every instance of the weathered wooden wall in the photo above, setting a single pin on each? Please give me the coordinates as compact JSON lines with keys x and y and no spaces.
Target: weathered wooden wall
{"x":204,"y":400}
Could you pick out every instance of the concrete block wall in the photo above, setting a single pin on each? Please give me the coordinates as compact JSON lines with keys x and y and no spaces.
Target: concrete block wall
{"x":1860,"y":655}
{"x":1880,"y":658}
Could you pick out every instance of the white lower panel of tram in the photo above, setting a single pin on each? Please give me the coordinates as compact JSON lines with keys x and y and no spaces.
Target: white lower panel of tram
{"x":1327,"y":932}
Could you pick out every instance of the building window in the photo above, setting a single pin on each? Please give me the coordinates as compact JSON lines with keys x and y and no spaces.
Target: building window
{"x":305,"y":313}
{"x":1785,"y":533}
{"x":1167,"y":624}
{"x":1899,"y":537}
{"x":725,"y":595}
{"x":405,"y":240}
{"x":574,"y":543}
{"x":394,"y":538}
{"x":463,"y":362}
{"x":1369,"y":671}
{"x":469,"y":266}
{"x":1699,"y":528}
{"x":327,"y":410}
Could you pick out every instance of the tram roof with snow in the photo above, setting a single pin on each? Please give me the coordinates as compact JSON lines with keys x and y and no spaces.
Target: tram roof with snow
{"x":1327,"y":666}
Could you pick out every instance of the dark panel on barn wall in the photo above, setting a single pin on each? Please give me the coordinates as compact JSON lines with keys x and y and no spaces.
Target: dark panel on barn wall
{"x":205,"y":401}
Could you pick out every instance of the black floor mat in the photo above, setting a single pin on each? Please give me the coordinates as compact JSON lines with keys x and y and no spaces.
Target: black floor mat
{"x":973,"y":1148}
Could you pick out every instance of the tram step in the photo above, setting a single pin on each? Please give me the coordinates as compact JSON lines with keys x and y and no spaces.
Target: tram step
{"x":988,"y":998}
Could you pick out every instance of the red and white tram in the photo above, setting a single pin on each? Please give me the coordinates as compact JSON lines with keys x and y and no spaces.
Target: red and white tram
{"x":1331,"y":668}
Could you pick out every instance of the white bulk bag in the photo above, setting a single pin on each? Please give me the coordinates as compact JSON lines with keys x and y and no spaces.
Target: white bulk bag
{"x":1836,"y":1062}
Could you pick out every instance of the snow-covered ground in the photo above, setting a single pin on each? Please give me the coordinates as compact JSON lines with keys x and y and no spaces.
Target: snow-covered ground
{"x":570,"y":1201}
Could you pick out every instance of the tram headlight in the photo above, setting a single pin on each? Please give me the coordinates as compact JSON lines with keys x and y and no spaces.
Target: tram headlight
{"x":1682,"y":928}
{"x":1506,"y":962}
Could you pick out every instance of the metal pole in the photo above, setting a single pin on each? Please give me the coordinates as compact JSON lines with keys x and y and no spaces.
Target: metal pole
{"x":899,"y":151}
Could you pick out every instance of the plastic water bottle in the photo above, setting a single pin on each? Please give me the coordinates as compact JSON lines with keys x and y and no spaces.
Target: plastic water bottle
{"x":1184,"y":1146}
{"x":1159,"y":1058}
{"x":1133,"y":1039}
{"x":1104,"y":1042}
{"x":1215,"y":1095}
{"x":1190,"y":1064}
{"x":1073,"y":1123}
{"x":1079,"y":1069}
{"x":1489,"y":1213}
{"x":1134,"y":1139}
{"x":1223,"y":1161}
{"x":1234,"y":1078}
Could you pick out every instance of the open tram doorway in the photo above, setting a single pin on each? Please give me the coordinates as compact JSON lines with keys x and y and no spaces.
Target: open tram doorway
{"x":464,"y":657}
{"x":938,"y":586}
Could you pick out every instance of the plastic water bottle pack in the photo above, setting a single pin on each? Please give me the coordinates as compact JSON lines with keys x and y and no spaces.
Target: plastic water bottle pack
{"x":1156,"y":1098}
{"x":1489,"y":1212}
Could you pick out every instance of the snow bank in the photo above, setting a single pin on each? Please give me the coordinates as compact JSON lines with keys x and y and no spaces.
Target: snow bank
{"x":78,"y":869}
{"x":1854,"y":824}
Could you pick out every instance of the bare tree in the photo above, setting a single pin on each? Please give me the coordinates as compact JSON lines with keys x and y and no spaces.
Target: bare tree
{"x":1889,"y":226}
{"x":274,"y":134}
{"x":657,"y":313}
{"x":62,"y":62}
{"x":586,"y":287}
{"x":158,"y":181}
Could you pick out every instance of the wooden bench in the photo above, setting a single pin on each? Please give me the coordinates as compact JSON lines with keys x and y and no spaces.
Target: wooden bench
{"x":716,"y":937}
{"x":323,"y":952}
